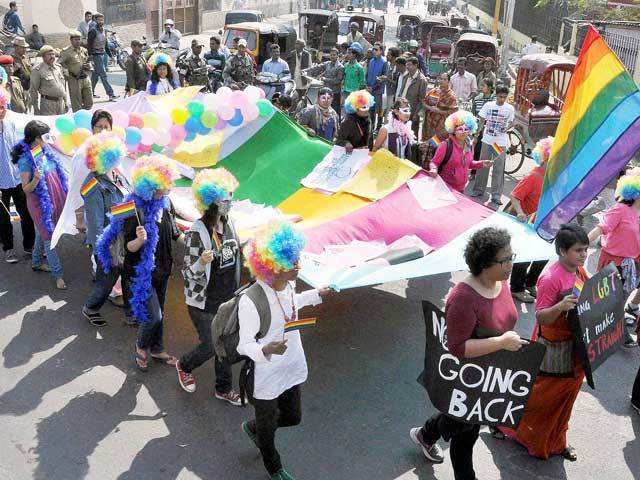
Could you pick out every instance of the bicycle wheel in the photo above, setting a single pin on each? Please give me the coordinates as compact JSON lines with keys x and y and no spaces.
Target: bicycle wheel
{"x":515,"y":152}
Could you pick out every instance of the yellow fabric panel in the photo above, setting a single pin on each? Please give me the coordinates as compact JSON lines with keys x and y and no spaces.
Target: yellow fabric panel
{"x":203,"y":151}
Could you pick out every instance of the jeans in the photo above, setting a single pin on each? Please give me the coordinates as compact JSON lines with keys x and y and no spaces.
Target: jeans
{"x":41,"y":246}
{"x":26,"y":224}
{"x":150,"y":333}
{"x":204,"y":351}
{"x":526,"y":275}
{"x":284,"y":411}
{"x":635,"y":393}
{"x":102,"y":287}
{"x":100,"y":71}
{"x":462,"y":436}
{"x":497,"y":174}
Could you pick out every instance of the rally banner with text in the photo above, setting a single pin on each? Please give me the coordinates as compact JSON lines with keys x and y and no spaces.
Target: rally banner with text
{"x":598,"y":319}
{"x":488,"y":390}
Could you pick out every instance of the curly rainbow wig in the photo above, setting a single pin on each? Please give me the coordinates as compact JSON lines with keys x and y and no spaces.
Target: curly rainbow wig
{"x":459,"y":118}
{"x":5,"y":96}
{"x":104,"y":151}
{"x":158,"y":59}
{"x":360,"y":100}
{"x":628,"y":187}
{"x":211,"y":186}
{"x":274,"y":249}
{"x":542,"y":150}
{"x":152,"y":173}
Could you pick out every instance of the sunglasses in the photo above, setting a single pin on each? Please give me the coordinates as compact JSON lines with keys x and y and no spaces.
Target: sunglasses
{"x":463,"y":129}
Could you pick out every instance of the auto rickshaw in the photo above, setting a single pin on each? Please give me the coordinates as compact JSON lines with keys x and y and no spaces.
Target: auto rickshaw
{"x":319,"y":28}
{"x":541,"y":86}
{"x":475,"y":47}
{"x":371,"y":26}
{"x":239,"y":16}
{"x":259,"y":37}
{"x":441,"y":41}
{"x":414,"y":20}
{"x":425,"y":30}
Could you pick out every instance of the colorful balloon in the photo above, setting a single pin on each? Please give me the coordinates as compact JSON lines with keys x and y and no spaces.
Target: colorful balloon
{"x":65,"y":142}
{"x":136,"y":120}
{"x":239,"y":99}
{"x":224,"y":92}
{"x":226,"y":112}
{"x":209,"y":119}
{"x":179,"y":116}
{"x":211,"y":102}
{"x":265,"y":108}
{"x":164,"y":121}
{"x":193,"y":125}
{"x":65,"y":125}
{"x":178,"y":133}
{"x":79,"y":135}
{"x":190,"y":137}
{"x":221,"y":125}
{"x":83,"y":119}
{"x":237,"y":119}
{"x":163,"y":137}
{"x":119,"y":130}
{"x":148,"y":136}
{"x":195,"y":108}
{"x":157,"y":148}
{"x":150,"y":120}
{"x":253,"y":93}
{"x":250,"y":112}
{"x":132,"y":136}
{"x":120,"y":118}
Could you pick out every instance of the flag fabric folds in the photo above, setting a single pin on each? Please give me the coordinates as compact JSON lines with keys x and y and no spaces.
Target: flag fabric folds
{"x":599,"y":132}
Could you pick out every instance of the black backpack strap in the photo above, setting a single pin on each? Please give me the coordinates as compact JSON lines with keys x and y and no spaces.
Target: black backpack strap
{"x":447,"y":156}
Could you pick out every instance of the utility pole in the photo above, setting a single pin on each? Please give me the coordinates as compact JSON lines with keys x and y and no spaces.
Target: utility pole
{"x":496,"y":18}
{"x":160,"y":18}
{"x":506,"y":34}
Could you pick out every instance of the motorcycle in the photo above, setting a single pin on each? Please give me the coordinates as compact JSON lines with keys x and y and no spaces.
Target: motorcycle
{"x":118,"y":53}
{"x":271,"y":83}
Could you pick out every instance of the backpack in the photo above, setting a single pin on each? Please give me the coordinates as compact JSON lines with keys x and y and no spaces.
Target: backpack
{"x":447,"y":156}
{"x":225,"y":327}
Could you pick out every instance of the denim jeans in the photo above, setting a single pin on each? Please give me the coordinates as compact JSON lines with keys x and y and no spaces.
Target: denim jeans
{"x":44,"y":246}
{"x":102,"y":287}
{"x":204,"y":351}
{"x":100,"y":71}
{"x":497,"y":173}
{"x":150,"y":333}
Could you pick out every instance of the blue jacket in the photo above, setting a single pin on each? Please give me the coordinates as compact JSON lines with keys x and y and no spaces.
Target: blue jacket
{"x":97,"y":204}
{"x":376,"y":67}
{"x":12,"y":23}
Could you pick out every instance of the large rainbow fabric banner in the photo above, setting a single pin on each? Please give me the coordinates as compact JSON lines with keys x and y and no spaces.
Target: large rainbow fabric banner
{"x":599,"y":132}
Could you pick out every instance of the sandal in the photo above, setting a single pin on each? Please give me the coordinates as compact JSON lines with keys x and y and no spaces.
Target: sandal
{"x":570,"y":454}
{"x":141,"y":360}
{"x":165,"y":358}
{"x":497,"y":433}
{"x":94,"y":318}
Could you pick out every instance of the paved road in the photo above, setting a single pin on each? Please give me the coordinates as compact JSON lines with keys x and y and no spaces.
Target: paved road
{"x":72,"y":406}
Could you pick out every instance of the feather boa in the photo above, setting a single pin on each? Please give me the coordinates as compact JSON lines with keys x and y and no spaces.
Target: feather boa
{"x":141,"y":284}
{"x":403,"y":129}
{"x":42,"y":189}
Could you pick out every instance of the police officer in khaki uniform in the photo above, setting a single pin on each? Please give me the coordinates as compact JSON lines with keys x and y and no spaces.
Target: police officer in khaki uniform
{"x":239,"y":68}
{"x":21,"y":66}
{"x":19,"y":99}
{"x":47,"y":80}
{"x":75,"y":63}
{"x":194,"y":69}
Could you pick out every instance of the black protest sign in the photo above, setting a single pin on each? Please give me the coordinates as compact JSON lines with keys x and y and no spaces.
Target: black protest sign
{"x":489,"y":390}
{"x":598,"y":320}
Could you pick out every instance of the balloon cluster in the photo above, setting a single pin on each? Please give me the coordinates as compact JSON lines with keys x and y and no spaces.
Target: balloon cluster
{"x":160,"y":132}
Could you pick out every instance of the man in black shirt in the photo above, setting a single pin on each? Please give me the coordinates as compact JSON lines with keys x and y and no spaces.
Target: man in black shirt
{"x":97,"y":46}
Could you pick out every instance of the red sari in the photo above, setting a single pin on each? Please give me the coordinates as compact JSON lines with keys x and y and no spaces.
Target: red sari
{"x":543,"y":428}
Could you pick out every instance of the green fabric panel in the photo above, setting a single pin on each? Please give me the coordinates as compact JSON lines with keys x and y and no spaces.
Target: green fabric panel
{"x":601,"y":107}
{"x":270,"y":165}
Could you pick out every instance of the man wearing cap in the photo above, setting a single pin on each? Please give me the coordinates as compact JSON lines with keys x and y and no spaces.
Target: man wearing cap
{"x":299,"y":60}
{"x":97,"y":47}
{"x":194,"y":69}
{"x":75,"y":61}
{"x":136,"y":69}
{"x":239,"y":68}
{"x":172,"y":38}
{"x":413,"y":52}
{"x":21,"y":66}
{"x":356,"y":36}
{"x":47,"y":80}
{"x":19,"y":99}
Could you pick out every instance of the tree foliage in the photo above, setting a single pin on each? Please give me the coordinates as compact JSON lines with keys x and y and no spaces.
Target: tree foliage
{"x":595,"y":9}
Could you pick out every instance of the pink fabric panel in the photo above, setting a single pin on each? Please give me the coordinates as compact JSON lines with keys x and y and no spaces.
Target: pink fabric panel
{"x":395,"y":216}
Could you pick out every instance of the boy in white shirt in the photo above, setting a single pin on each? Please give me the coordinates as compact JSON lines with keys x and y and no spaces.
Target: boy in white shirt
{"x":280,"y":366}
{"x":497,"y":118}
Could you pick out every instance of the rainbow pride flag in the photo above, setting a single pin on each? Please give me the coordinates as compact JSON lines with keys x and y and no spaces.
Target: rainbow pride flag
{"x":89,"y":187}
{"x":497,"y":149}
{"x":37,"y":152}
{"x":299,"y":324}
{"x":577,"y":288}
{"x":123,"y":210}
{"x":599,"y":132}
{"x":435,"y":141}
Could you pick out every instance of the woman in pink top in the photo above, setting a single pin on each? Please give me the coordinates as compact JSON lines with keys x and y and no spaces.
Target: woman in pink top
{"x":454,"y":170}
{"x":619,"y":234}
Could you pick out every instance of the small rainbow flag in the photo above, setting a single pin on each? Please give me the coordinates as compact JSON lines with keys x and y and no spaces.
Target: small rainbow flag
{"x":299,"y":324}
{"x":433,"y":95}
{"x":577,"y":288}
{"x":123,"y":210}
{"x":89,"y":187}
{"x":435,"y":141}
{"x":37,"y":152}
{"x":497,"y":148}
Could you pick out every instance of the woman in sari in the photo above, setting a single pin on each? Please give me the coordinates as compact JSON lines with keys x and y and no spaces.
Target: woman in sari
{"x":543,"y":428}
{"x":440,"y":102}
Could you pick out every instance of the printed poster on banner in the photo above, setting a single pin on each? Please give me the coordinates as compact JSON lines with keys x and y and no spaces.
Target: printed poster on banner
{"x":488,"y":390}
{"x":598,"y":320}
{"x":335,"y":169}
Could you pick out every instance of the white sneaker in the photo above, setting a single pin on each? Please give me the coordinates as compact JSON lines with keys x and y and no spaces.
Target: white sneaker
{"x":432,"y":452}
{"x":11,"y":257}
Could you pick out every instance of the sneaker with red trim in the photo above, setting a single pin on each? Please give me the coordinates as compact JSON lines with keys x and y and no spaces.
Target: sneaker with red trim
{"x":185,"y":379}
{"x":231,"y":396}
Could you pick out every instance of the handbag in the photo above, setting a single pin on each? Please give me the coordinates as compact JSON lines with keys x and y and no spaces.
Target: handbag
{"x":558,"y":358}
